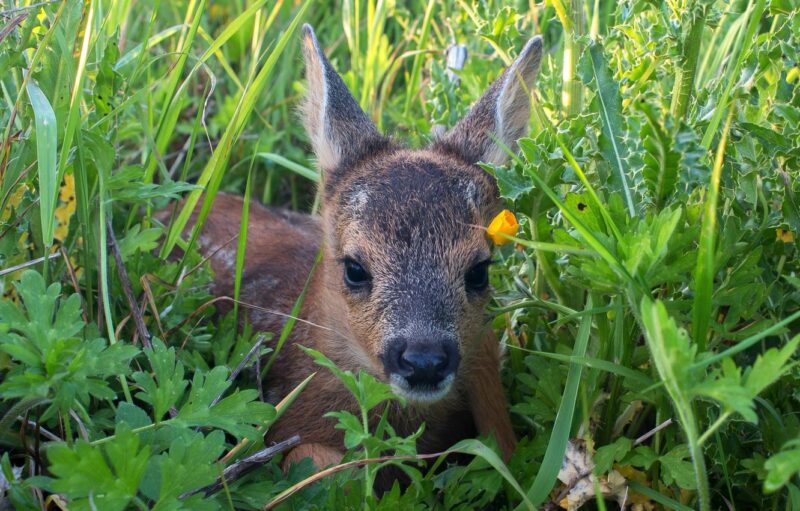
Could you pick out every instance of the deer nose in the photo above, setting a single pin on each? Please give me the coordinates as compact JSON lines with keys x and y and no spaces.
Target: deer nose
{"x":422,"y":363}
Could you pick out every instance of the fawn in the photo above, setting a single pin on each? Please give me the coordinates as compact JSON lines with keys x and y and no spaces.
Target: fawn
{"x":402,"y":286}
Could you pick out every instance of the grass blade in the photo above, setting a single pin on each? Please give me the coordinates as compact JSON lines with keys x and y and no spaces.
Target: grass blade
{"x":416,"y":68}
{"x":153,"y":41}
{"x":595,"y":363}
{"x":557,"y":445}
{"x":172,"y":101}
{"x":750,"y":341}
{"x":732,"y":74}
{"x":704,"y":273}
{"x":215,"y":169}
{"x":478,"y":448}
{"x":46,"y":150}
{"x":293,"y":315}
{"x":295,"y":167}
{"x":658,"y":497}
{"x":241,"y":248}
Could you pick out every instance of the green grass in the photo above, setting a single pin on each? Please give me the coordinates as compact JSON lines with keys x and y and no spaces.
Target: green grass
{"x":655,"y":275}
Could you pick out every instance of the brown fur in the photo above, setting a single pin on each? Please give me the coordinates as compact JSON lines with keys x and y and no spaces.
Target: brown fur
{"x":413,"y":220}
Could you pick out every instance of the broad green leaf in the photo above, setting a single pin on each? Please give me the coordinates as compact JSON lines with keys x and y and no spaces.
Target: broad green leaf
{"x":642,"y":456}
{"x":46,"y":152}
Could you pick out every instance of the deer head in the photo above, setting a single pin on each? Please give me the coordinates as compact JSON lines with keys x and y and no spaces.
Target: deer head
{"x":405,"y":248}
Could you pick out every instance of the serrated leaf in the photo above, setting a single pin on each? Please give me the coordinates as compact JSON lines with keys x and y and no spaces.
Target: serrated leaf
{"x":608,"y":103}
{"x":84,"y":474}
{"x":353,"y":429}
{"x":782,"y":467}
{"x":237,"y":413}
{"x":511,"y":182}
{"x":107,"y":78}
{"x":367,"y":390}
{"x":165,"y":386}
{"x":54,"y":362}
{"x":642,"y":456}
{"x":661,"y":160}
{"x":190,"y":463}
{"x":730,"y":392}
{"x":138,"y":240}
{"x":606,"y":456}
{"x":672,"y":352}
{"x":770,"y":366}
{"x":677,"y":469}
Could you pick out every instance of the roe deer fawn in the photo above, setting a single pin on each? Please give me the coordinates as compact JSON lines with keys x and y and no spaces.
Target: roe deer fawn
{"x":403,"y":283}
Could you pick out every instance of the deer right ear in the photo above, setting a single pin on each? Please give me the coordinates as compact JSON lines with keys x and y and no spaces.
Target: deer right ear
{"x":339,"y":130}
{"x":501,"y":116}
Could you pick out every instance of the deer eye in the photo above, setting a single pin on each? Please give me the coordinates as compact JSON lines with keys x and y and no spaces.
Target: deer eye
{"x":355,"y":276}
{"x":477,"y":277}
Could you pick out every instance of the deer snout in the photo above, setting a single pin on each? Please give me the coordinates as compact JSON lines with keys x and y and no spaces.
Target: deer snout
{"x":421,"y":370}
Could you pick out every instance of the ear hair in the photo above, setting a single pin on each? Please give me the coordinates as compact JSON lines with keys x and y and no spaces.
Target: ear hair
{"x":339,"y":130}
{"x":501,"y":116}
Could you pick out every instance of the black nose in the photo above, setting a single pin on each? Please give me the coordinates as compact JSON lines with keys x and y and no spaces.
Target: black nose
{"x":421,"y":363}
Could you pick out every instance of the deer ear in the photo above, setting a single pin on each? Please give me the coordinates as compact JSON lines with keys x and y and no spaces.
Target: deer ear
{"x":339,"y":130}
{"x":501,"y":116}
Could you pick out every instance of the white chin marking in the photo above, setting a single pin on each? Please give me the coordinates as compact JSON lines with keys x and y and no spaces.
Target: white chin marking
{"x":430,"y":394}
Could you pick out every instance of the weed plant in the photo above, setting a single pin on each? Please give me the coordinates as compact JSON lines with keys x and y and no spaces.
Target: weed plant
{"x":650,"y":304}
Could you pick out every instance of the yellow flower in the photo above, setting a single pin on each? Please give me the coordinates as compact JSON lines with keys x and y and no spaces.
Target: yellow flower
{"x":504,"y":223}
{"x":784,"y":235}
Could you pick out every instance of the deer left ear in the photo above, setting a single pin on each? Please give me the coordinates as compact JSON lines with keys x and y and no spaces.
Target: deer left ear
{"x":339,"y":130}
{"x":501,"y":116}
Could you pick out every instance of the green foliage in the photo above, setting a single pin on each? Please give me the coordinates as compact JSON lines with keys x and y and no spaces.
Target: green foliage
{"x":657,"y":276}
{"x":105,"y":477}
{"x":55,"y":354}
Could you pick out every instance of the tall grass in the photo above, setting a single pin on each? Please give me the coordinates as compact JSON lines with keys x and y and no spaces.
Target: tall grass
{"x":650,"y":304}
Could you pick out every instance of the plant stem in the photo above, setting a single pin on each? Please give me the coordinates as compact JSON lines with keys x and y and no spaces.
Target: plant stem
{"x":698,"y":463}
{"x":571,"y":87}
{"x":543,"y":263}
{"x":67,"y":429}
{"x":368,"y":469}
{"x":713,"y":428}
{"x":134,"y":430}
